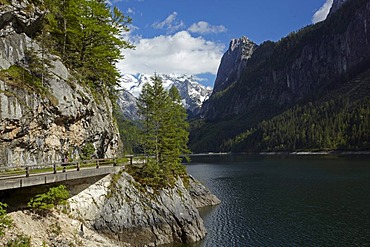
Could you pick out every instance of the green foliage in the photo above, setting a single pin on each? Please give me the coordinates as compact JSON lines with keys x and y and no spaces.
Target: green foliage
{"x":130,"y":136}
{"x":43,"y":203}
{"x":114,"y":185}
{"x":165,"y":134}
{"x":20,"y":77}
{"x":330,"y":125}
{"x":87,"y":151}
{"x":20,"y":241}
{"x":4,"y":1}
{"x":86,"y":34}
{"x":38,"y":64}
{"x":273,"y":82}
{"x":5,"y":220}
{"x":129,"y":132}
{"x":55,"y":229}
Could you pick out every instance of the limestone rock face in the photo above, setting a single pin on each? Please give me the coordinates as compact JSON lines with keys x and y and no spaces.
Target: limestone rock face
{"x":20,"y":17}
{"x":124,"y":211}
{"x":337,"y":4}
{"x":306,"y":63}
{"x":42,"y":127}
{"x":201,"y":196}
{"x":233,"y":62}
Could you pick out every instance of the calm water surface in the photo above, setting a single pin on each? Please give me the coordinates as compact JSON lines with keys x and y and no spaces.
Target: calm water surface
{"x":286,"y":201}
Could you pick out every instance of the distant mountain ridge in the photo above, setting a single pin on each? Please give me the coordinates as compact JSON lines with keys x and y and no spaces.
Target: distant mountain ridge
{"x":193,"y":93}
{"x":322,"y":61}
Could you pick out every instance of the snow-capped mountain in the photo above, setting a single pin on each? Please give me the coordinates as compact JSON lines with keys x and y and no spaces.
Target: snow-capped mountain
{"x":193,"y":93}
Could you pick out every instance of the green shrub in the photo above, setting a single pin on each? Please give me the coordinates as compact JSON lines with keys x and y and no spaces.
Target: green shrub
{"x":87,"y":151}
{"x":55,"y":229}
{"x":5,"y":220}
{"x":43,"y":203}
{"x":20,"y":241}
{"x":4,"y":2}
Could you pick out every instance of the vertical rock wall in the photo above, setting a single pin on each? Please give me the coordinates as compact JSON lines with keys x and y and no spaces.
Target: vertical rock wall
{"x":45,"y":126}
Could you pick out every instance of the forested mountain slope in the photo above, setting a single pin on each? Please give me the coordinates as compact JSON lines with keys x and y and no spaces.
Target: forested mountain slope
{"x":309,"y":74}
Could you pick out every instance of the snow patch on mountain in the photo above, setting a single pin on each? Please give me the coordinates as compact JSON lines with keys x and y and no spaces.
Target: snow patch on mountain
{"x":193,"y":93}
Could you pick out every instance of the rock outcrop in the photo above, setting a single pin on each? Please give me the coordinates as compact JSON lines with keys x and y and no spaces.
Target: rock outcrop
{"x":304,"y":63}
{"x":201,"y":196}
{"x":233,"y":62}
{"x":55,"y":229}
{"x":20,"y":17}
{"x":58,"y":119}
{"x":308,"y":65}
{"x":125,"y":211}
{"x":337,"y":4}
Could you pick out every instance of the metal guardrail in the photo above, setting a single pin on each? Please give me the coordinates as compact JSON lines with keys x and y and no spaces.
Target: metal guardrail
{"x":59,"y":166}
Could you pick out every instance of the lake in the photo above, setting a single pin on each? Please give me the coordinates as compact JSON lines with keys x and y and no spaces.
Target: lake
{"x":286,"y":200}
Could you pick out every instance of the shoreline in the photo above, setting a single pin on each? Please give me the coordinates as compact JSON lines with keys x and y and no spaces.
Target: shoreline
{"x":333,"y":152}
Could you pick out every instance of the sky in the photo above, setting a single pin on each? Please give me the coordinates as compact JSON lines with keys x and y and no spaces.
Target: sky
{"x":190,"y":36}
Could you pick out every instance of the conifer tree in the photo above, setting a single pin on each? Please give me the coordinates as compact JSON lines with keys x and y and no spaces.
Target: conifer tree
{"x":87,"y":35}
{"x":175,"y":133}
{"x":165,"y":130}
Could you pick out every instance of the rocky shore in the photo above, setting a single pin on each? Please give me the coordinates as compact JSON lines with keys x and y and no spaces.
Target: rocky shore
{"x":117,"y":211}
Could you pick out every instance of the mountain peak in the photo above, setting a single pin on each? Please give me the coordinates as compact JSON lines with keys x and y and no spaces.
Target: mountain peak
{"x":192,"y":93}
{"x":233,"y":62}
{"x":337,"y":4}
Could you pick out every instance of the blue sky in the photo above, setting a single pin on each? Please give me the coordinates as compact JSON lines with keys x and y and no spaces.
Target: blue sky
{"x":190,"y":36}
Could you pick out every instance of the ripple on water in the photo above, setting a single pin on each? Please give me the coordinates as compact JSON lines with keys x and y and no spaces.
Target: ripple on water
{"x":287,"y":202}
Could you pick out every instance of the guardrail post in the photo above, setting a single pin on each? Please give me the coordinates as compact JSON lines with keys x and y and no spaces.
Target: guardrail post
{"x":55,"y":168}
{"x":27,"y":171}
{"x":131,"y":160}
{"x":78,"y":165}
{"x":97,"y":164}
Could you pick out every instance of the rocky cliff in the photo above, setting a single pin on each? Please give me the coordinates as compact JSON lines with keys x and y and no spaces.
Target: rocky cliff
{"x":124,"y":210}
{"x":116,"y":211}
{"x":233,"y":62}
{"x":299,"y":65}
{"x":44,"y":121}
{"x":307,"y":65}
{"x":337,"y":4}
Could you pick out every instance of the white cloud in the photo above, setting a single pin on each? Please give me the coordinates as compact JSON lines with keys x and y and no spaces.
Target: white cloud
{"x":179,"y":53}
{"x":322,"y":13}
{"x":170,"y":23}
{"x":130,"y":11}
{"x":203,"y":27}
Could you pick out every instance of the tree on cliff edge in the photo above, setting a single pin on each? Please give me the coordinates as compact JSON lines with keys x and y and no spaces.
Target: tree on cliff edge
{"x":165,"y":132}
{"x":87,"y":34}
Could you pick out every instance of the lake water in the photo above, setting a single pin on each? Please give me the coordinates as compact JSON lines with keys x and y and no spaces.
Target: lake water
{"x":286,"y":201}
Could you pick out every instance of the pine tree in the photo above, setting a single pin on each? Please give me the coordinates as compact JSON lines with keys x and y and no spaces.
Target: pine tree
{"x":165,"y":131}
{"x":87,"y":35}
{"x":176,"y":135}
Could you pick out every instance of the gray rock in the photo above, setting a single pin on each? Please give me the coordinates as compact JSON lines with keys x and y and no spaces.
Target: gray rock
{"x":12,"y":48}
{"x":42,"y":127}
{"x":337,"y":4}
{"x":233,"y":62}
{"x":201,"y":196}
{"x":280,"y":74}
{"x":20,"y":17}
{"x":142,"y":217}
